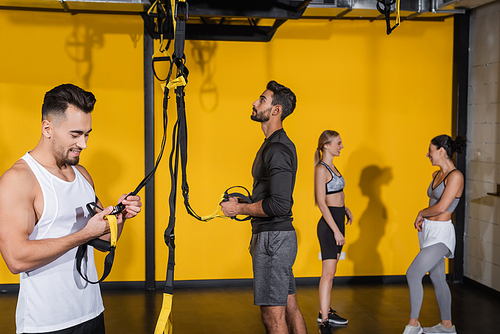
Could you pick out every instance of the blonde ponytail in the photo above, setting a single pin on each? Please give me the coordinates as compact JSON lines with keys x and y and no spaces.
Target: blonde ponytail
{"x":326,"y":137}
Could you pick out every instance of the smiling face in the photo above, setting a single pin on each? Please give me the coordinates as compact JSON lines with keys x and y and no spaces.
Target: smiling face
{"x":434,"y":154}
{"x":334,"y":146}
{"x":69,"y":135}
{"x":262,"y":107}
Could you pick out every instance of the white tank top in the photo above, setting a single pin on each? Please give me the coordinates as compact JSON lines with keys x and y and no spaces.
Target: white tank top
{"x":54,"y":297}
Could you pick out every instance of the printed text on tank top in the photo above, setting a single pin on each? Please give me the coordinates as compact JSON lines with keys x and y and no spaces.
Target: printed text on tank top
{"x":336,"y":184}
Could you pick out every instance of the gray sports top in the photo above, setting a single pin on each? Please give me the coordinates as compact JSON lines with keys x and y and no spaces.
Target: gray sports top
{"x":436,"y":193}
{"x":336,"y":184}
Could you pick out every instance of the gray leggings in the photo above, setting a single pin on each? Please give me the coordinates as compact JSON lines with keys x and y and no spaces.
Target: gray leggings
{"x":430,"y":259}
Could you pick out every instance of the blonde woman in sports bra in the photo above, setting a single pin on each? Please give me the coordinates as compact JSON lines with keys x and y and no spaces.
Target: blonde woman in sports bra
{"x":436,"y":234}
{"x":329,"y":185}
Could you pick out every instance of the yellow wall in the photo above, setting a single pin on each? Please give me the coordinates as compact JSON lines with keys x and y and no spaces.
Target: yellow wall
{"x":103,"y":54}
{"x":386,"y":95}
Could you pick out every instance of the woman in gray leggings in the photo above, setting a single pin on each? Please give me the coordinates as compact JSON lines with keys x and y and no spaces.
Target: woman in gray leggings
{"x":436,"y":234}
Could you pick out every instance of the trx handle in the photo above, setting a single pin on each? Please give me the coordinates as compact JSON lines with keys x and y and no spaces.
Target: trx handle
{"x":224,"y":197}
{"x":92,"y":206}
{"x":102,"y":245}
{"x":247,"y":198}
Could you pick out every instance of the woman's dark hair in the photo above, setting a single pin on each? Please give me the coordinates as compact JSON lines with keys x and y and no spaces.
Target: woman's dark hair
{"x":450,"y":146}
{"x":283,"y":96}
{"x":57,"y":99}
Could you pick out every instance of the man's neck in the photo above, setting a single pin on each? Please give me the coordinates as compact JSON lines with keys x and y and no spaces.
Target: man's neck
{"x":270,"y":127}
{"x":43,"y":155}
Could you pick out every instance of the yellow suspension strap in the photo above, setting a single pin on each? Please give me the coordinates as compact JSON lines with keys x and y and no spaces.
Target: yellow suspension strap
{"x":384,"y":7}
{"x":103,"y":245}
{"x":180,"y":16}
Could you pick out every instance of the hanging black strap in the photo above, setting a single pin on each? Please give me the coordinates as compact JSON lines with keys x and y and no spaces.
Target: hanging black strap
{"x":102,"y":245}
{"x":108,"y":261}
{"x":181,"y":15}
{"x":384,"y":7}
{"x":178,"y":153}
{"x":106,"y":245}
{"x":179,"y":138}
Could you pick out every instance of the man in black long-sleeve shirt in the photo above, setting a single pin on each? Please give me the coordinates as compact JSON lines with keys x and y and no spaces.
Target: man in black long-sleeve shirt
{"x":274,"y":241}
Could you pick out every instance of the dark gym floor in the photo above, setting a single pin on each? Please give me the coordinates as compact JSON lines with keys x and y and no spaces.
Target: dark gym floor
{"x":370,"y":308}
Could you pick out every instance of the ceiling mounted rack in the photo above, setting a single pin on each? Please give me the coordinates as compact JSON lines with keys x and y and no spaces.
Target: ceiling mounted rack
{"x":255,"y":20}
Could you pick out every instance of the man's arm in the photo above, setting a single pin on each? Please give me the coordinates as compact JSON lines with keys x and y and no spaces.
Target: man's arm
{"x":232,"y":208}
{"x":280,"y":171}
{"x":279,"y":164}
{"x":18,"y":194}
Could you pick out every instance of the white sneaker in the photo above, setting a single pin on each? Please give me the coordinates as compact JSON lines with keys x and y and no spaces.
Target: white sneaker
{"x":413,"y":330}
{"x":440,"y":329}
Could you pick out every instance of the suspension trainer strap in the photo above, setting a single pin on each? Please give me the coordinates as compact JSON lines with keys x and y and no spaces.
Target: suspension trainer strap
{"x":103,"y":245}
{"x":161,"y":55}
{"x":384,"y":7}
{"x":110,"y":246}
{"x":182,"y":147}
{"x":181,"y":15}
{"x":223,"y":198}
{"x":179,"y":154}
{"x":164,"y":323}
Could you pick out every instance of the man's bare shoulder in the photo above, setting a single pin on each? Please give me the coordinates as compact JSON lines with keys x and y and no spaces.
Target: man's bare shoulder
{"x":85,"y":174}
{"x":19,"y":174}
{"x":18,"y":184}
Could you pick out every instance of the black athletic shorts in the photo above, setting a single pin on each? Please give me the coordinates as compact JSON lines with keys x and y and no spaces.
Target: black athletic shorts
{"x":329,"y":247}
{"x":92,"y":326}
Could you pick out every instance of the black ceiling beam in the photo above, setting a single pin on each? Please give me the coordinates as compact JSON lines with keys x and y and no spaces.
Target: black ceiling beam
{"x":214,"y":13}
{"x":274,"y":9}
{"x":279,"y":10}
{"x":217,"y":32}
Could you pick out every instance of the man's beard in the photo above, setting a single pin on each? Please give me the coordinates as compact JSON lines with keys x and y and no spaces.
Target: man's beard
{"x":262,"y":116}
{"x":64,"y":156}
{"x":72,"y":162}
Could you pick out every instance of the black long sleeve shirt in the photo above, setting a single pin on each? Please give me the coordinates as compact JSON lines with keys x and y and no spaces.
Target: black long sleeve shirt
{"x":273,"y":171}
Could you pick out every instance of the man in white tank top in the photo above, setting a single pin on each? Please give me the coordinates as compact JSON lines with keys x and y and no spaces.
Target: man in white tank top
{"x":43,"y":220}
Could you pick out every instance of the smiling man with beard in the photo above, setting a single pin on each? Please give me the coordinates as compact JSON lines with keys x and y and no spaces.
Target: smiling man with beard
{"x":274,"y":241}
{"x":43,"y":220}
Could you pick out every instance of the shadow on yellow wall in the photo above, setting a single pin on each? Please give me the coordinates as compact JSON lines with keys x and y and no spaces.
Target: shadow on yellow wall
{"x":364,"y":252}
{"x":203,"y":53}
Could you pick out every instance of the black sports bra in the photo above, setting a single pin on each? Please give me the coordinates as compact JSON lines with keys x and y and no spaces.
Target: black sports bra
{"x":336,"y":184}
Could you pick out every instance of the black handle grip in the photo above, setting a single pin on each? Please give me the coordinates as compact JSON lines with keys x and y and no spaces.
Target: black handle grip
{"x":100,"y":244}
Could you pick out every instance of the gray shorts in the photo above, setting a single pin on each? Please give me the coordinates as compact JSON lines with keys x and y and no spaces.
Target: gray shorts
{"x":273,"y":255}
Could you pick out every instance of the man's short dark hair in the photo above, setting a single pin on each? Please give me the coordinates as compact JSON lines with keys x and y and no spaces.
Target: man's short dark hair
{"x":57,"y":100}
{"x":283,"y":96}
